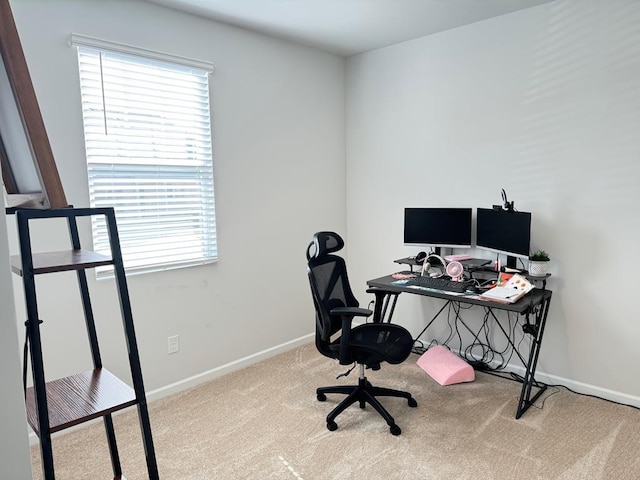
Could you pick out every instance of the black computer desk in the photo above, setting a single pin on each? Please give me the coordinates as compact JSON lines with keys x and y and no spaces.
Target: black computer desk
{"x":533,"y":307}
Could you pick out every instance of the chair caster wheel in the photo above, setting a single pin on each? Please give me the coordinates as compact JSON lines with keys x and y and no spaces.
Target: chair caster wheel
{"x":332,"y":426}
{"x":395,"y":430}
{"x":321,"y":397}
{"x":412,"y":402}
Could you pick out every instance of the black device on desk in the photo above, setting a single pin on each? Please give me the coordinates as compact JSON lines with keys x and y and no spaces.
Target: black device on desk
{"x":505,"y":232}
{"x":438,"y":227}
{"x":439,"y":283}
{"x":474,"y":262}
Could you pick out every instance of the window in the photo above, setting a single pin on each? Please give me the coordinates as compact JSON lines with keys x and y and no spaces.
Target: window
{"x":147,"y":129}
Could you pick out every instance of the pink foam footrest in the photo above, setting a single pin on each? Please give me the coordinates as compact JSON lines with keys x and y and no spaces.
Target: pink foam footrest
{"x":445,"y":367}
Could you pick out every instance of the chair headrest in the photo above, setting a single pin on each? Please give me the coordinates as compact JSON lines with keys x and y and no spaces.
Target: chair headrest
{"x":325,"y":243}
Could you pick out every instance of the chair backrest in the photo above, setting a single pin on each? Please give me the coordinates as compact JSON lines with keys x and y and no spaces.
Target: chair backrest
{"x":329,"y":285}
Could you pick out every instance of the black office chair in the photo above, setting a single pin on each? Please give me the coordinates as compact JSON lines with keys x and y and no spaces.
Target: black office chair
{"x":367,"y":345}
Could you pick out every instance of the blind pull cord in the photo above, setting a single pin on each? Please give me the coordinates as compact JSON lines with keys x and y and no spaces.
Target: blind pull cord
{"x":104,"y":103}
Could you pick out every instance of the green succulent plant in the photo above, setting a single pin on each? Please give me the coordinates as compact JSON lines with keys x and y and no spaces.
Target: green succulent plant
{"x":539,"y":256}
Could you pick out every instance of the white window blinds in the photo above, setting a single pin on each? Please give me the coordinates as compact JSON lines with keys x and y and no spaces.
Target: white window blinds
{"x":149,"y":155}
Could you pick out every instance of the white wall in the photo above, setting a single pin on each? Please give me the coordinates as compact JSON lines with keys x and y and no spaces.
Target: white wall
{"x":544,"y":103}
{"x":14,"y":448}
{"x":278,"y":130}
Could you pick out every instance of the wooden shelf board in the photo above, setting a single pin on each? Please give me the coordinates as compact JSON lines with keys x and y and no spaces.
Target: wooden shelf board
{"x":79,"y":398}
{"x":65,"y":260}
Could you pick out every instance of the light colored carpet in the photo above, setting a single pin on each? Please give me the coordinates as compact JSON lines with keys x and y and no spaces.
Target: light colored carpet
{"x":264,"y":422}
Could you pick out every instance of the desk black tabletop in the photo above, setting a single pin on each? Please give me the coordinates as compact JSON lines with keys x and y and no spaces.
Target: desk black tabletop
{"x":533,"y":298}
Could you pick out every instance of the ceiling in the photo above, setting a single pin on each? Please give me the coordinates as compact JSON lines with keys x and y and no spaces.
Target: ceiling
{"x":348,"y":27}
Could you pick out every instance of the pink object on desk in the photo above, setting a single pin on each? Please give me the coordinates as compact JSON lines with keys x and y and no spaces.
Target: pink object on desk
{"x":445,"y":367}
{"x":458,"y":257}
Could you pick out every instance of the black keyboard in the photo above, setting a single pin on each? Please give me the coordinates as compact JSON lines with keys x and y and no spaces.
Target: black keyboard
{"x":438,"y":283}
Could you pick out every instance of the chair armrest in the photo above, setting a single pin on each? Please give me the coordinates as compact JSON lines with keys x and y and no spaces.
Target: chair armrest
{"x":381,"y":290}
{"x":351,"y":311}
{"x":347,"y":314}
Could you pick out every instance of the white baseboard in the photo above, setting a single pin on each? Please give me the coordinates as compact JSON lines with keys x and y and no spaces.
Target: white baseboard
{"x":549,"y":379}
{"x":579,"y":387}
{"x":585,"y":388}
{"x":195,"y":380}
{"x":226,"y":368}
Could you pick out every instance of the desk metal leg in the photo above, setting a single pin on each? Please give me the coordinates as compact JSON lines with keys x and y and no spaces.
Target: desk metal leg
{"x":382,"y":304}
{"x":506,"y":335}
{"x":526,"y":400}
{"x":433,"y":319}
{"x":536,"y":330}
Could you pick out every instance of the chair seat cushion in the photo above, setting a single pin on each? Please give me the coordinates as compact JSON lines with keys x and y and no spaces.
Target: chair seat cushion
{"x":372,"y":343}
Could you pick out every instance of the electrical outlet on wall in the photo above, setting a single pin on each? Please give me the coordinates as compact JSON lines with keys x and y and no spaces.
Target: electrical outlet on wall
{"x":174,"y":344}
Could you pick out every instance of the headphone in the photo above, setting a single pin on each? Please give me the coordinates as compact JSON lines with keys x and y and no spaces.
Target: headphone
{"x":420,"y":257}
{"x":432,"y":261}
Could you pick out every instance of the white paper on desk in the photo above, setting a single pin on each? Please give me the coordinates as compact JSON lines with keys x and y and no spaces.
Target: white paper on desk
{"x":511,"y":292}
{"x":403,"y":283}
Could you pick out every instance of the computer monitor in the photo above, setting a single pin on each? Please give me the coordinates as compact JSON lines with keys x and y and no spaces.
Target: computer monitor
{"x":438,"y":227}
{"x":504,"y":232}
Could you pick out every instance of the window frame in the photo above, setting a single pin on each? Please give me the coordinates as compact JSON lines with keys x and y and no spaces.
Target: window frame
{"x":206,"y":243}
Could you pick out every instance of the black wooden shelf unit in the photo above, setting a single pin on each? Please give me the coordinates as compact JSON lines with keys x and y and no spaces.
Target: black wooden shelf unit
{"x":58,"y":404}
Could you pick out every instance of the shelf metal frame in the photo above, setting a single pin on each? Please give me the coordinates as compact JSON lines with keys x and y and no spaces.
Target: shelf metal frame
{"x":28,"y":265}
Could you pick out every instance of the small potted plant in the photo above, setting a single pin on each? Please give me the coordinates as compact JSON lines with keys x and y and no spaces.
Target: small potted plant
{"x":538,"y":263}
